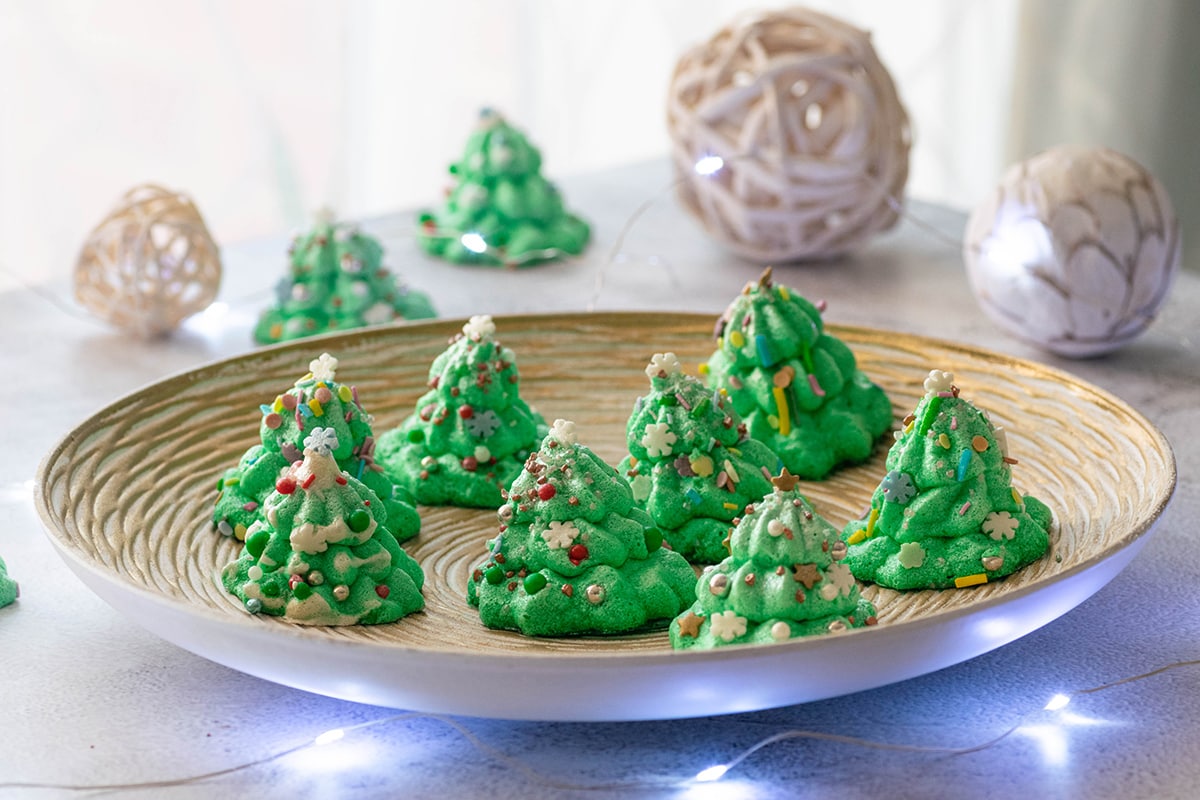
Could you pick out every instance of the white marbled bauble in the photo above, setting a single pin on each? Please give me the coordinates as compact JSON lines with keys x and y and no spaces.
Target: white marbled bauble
{"x":1075,"y":250}
{"x":810,"y":136}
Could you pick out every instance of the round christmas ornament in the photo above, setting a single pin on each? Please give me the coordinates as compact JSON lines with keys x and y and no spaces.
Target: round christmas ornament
{"x":150,"y":264}
{"x":788,"y":136}
{"x":1075,"y":250}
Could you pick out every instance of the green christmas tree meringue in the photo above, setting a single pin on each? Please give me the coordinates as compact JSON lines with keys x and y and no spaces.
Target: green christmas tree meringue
{"x":574,"y":553}
{"x":336,"y":281}
{"x":321,"y":555}
{"x":471,"y":431}
{"x":946,"y":514}
{"x":316,"y":400}
{"x":691,"y":463}
{"x":798,"y":388}
{"x":9,"y":590}
{"x":783,"y":579}
{"x":501,"y":211}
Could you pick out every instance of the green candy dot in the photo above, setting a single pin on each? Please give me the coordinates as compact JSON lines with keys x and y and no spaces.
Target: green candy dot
{"x":220,"y":484}
{"x":359,"y":520}
{"x":535,"y":582}
{"x":302,"y":591}
{"x":668,"y":400}
{"x":494,"y":575}
{"x":654,"y":539}
{"x":270,"y":589}
{"x":416,"y":435}
{"x":257,"y":542}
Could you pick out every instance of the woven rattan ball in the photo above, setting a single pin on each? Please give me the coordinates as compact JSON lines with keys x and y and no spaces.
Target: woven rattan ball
{"x":149,"y":264}
{"x":788,"y":136}
{"x":1074,"y":251}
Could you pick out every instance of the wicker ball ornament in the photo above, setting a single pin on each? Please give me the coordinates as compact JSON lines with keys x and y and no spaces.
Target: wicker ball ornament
{"x":788,"y":136}
{"x":1075,"y":251}
{"x":149,"y":264}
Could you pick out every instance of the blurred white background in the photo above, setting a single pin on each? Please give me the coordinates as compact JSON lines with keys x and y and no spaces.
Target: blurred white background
{"x":264,"y":111}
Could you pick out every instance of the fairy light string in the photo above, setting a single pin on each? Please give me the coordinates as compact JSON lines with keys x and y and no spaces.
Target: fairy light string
{"x":709,"y":774}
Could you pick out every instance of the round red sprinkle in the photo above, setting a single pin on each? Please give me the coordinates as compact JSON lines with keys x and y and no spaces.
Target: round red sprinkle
{"x":285,"y":485}
{"x":466,"y":412}
{"x":272,"y":421}
{"x":382,"y":591}
{"x":470,"y":463}
{"x":577,"y":553}
{"x":546,"y":491}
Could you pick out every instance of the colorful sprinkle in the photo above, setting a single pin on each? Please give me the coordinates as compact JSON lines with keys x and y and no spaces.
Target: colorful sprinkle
{"x":737,"y":339}
{"x":979,"y":443}
{"x":785,"y":423}
{"x":964,"y":508}
{"x":815,"y":385}
{"x":764,"y":350}
{"x":971,"y":580}
{"x":964,"y":461}
{"x":931,"y":411}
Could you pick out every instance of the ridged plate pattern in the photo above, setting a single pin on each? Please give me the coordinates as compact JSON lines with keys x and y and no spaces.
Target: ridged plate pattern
{"x":127,"y":494}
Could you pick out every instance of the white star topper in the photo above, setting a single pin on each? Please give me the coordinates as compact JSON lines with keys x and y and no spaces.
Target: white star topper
{"x":479,"y":327}
{"x":938,"y":381}
{"x":666,"y":363}
{"x":323,"y":367}
{"x":564,"y":431}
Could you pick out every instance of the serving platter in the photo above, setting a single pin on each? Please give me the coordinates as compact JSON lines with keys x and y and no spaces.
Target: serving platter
{"x":126,"y":497}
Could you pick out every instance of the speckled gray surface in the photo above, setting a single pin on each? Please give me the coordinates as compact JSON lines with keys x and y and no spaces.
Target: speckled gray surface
{"x":87,"y":697}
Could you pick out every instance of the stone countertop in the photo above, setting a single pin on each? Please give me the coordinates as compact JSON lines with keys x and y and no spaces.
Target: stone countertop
{"x":88,"y":697}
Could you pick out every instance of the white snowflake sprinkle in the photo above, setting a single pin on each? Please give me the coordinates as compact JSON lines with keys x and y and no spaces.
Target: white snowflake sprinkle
{"x":379,"y":313}
{"x":479,"y":327}
{"x":322,"y":441}
{"x":663,"y":362}
{"x":938,"y":381}
{"x":560,"y":535}
{"x":838,"y":581}
{"x":658,"y":439}
{"x":1000,"y":525}
{"x":323,"y":367}
{"x":727,"y":625}
{"x":564,"y":431}
{"x":482,"y":424}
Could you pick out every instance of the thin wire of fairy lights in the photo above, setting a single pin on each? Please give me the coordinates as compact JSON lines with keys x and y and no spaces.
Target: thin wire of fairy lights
{"x":708,"y":774}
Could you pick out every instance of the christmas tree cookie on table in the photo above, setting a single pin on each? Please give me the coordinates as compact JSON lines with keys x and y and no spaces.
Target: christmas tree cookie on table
{"x":336,"y":281}
{"x":574,"y":554}
{"x":471,"y":431}
{"x":946,"y":513}
{"x":321,"y":555}
{"x":691,"y":463}
{"x":9,"y":590}
{"x":783,"y":579}
{"x":501,"y":211}
{"x":797,"y":387}
{"x":316,"y":400}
